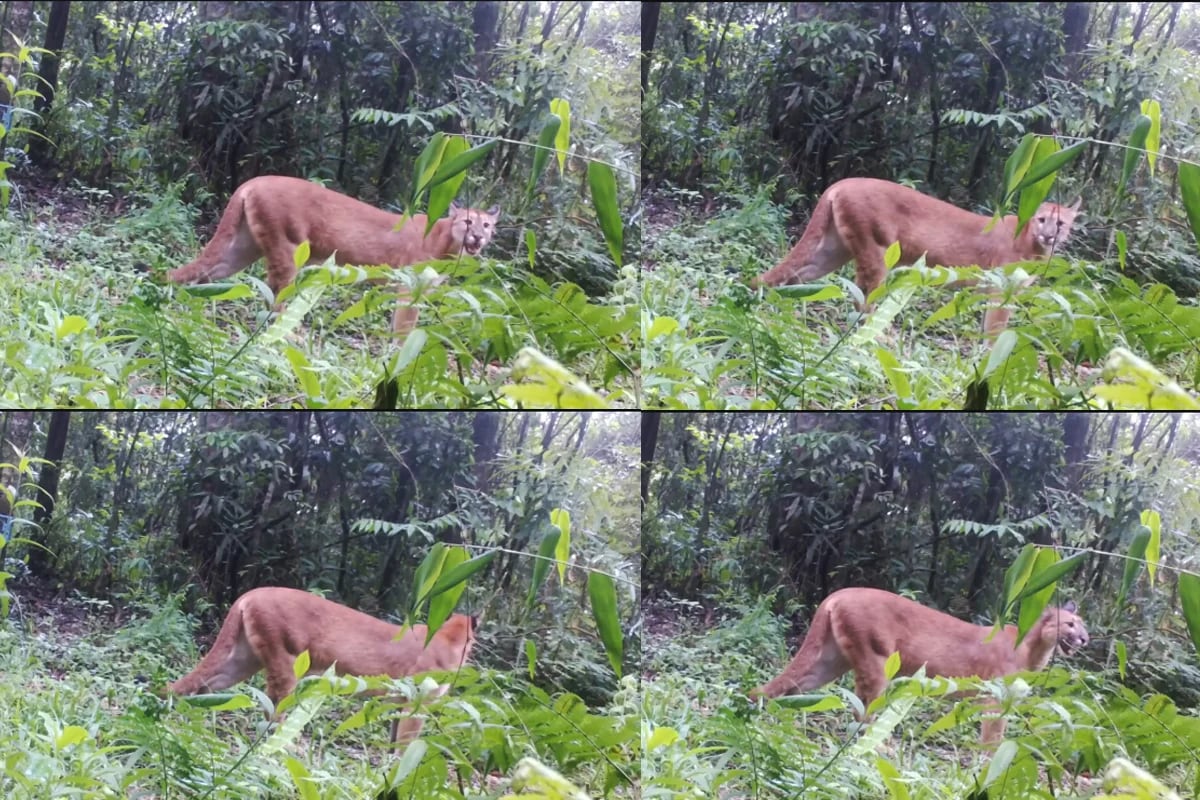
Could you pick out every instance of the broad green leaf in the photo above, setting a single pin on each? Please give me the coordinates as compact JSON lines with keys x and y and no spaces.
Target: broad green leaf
{"x":1133,"y":564}
{"x":1189,"y":600}
{"x":530,"y":657}
{"x":441,"y":195}
{"x":414,"y":343}
{"x":603,"y":185}
{"x":1042,"y":578}
{"x":562,"y":140}
{"x":541,"y":565}
{"x":561,"y":519}
{"x":1016,"y":165}
{"x":1001,"y":760}
{"x":1035,"y":192}
{"x":70,"y":325}
{"x":811,"y":702}
{"x":1152,"y":110}
{"x":71,"y":734}
{"x":1016,"y":576}
{"x":219,"y":701}
{"x":1000,"y":352}
{"x":891,"y":667}
{"x":530,"y":245}
{"x":661,"y":737}
{"x":219,"y":291}
{"x":414,"y":754}
{"x":891,"y":256}
{"x":1153,"y":524}
{"x":453,"y":576}
{"x":302,"y":664}
{"x":305,"y":374}
{"x":896,"y":375}
{"x":603,"y":598}
{"x":1050,"y":164}
{"x":1189,"y":189}
{"x":812,"y":292}
{"x":1122,"y":656}
{"x":1122,"y":245}
{"x":1137,"y":141}
{"x":426,"y":575}
{"x":305,"y":785}
{"x":1035,"y":598}
{"x":425,"y":168}
{"x":442,"y":603}
{"x":302,"y":253}
{"x":896,"y":787}
{"x":661,"y":326}
{"x":545,"y":145}
{"x":458,"y":164}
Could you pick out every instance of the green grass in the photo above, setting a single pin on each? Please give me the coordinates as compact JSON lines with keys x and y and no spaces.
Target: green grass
{"x":1066,"y":727}
{"x":1080,"y":336}
{"x":83,"y":326}
{"x":78,"y":719}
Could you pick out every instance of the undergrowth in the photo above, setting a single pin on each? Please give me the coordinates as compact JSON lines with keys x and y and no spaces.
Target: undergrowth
{"x":1080,"y":336}
{"x":78,"y":718}
{"x":89,"y":322}
{"x":1067,"y":729}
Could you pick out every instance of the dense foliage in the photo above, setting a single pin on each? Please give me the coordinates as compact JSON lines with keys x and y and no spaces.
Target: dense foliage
{"x":754,"y":109}
{"x":749,"y":516}
{"x":162,"y":107}
{"x":154,"y":521}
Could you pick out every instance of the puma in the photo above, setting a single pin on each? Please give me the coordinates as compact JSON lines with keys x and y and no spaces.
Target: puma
{"x":858,"y":628}
{"x":859,"y":218}
{"x":268,"y":627}
{"x":272,"y":215}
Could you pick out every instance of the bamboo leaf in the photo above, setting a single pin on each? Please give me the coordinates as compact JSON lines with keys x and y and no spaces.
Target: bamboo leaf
{"x":561,"y":519}
{"x":545,"y":145}
{"x":603,"y":185}
{"x":1189,"y":190}
{"x":562,"y":140}
{"x":442,"y":195}
{"x":1153,"y":523}
{"x":603,"y":598}
{"x":441,"y":604}
{"x":1189,"y":598}
{"x":1137,"y":141}
{"x":541,"y":565}
{"x":1152,"y":110}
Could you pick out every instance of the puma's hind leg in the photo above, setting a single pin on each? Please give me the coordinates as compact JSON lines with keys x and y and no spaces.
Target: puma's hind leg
{"x":404,"y":318}
{"x":406,"y":729}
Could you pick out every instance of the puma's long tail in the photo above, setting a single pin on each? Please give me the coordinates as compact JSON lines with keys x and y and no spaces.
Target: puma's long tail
{"x":810,"y":668}
{"x":805,"y":250}
{"x":211,"y":673}
{"x":206,"y":265}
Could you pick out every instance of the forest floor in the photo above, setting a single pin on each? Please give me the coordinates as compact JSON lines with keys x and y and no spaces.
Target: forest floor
{"x":1079,"y":336}
{"x":91,"y":321}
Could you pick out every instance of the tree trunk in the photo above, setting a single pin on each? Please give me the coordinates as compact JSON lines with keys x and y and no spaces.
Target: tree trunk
{"x":56,"y":32}
{"x":47,"y":494}
{"x":650,"y":13}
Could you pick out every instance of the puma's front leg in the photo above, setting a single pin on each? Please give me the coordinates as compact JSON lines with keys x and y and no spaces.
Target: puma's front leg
{"x":404,"y":318}
{"x":406,"y":729}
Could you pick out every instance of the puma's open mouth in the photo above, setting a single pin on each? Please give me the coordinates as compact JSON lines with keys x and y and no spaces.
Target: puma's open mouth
{"x":1070,"y":648}
{"x":472,"y":249}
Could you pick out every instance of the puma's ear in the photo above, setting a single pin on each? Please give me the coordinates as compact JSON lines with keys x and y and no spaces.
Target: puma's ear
{"x":455,"y":207}
{"x":494,"y":211}
{"x":1070,"y":604}
{"x":1077,"y":204}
